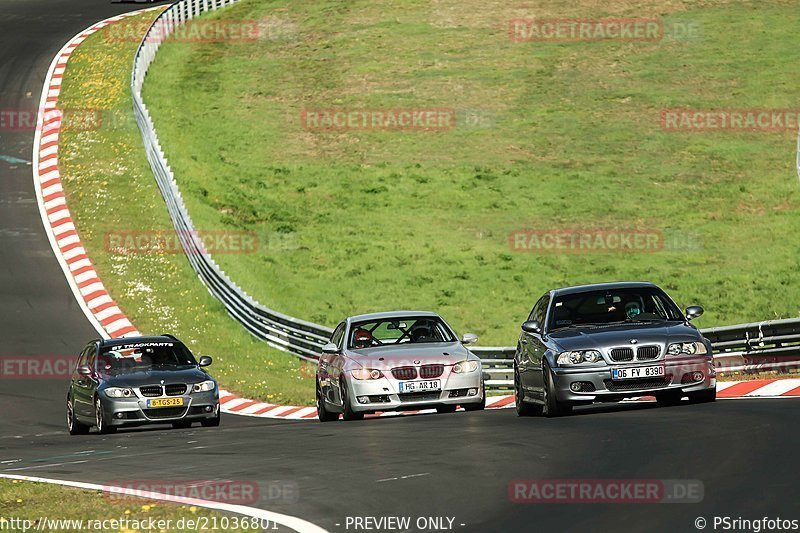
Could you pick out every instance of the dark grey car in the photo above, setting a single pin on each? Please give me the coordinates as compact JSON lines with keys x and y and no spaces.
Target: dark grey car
{"x":140,"y":380}
{"x":606,"y":342}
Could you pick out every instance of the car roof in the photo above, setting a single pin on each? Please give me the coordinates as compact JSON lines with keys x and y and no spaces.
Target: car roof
{"x":601,"y":286}
{"x":389,"y":314}
{"x":134,"y":340}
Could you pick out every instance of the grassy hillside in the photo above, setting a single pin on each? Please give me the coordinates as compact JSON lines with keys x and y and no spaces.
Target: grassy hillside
{"x":548,"y":135}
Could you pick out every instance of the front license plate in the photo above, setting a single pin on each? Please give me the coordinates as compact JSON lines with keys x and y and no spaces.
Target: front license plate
{"x":165,"y":402}
{"x":637,"y":372}
{"x":420,"y":386}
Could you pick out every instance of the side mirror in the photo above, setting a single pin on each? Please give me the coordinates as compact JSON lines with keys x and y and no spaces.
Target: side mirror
{"x":469,"y":338}
{"x":84,"y":370}
{"x":532,"y":326}
{"x":205,"y":361}
{"x":694,"y":311}
{"x":330,"y":349}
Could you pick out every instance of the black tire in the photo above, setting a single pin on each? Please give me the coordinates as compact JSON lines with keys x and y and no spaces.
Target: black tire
{"x":322,"y":411}
{"x":446,"y":408}
{"x":523,"y":408}
{"x":99,"y":418}
{"x":347,"y":409}
{"x":212,"y":422}
{"x":479,"y":406}
{"x":669,"y":399}
{"x":552,"y":407}
{"x":182,"y":424}
{"x":704,"y":396}
{"x":75,"y":427}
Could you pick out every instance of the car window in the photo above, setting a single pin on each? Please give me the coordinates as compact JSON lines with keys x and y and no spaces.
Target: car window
{"x":143,"y":356}
{"x":82,"y":358}
{"x":338,"y":333}
{"x":613,"y":306}
{"x":398,"y":330}
{"x":539,"y":310}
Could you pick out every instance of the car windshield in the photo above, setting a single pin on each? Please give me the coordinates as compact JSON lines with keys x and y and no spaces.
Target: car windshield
{"x":602,"y":307}
{"x":391,"y":331}
{"x":142,"y":356}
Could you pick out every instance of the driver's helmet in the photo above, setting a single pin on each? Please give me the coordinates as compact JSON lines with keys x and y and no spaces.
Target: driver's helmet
{"x":632,"y":310}
{"x":362,"y":338}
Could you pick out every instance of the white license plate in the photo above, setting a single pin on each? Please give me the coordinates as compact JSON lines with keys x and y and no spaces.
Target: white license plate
{"x":637,"y":372}
{"x":420,"y":386}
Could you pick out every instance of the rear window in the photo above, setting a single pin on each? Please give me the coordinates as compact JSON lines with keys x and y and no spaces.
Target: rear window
{"x":144,"y":356}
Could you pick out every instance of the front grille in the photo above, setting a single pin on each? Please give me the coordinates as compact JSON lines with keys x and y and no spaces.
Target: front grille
{"x":431,"y":371}
{"x":150,"y":391}
{"x":622,"y":354}
{"x":165,"y":412}
{"x":637,"y":384}
{"x":175,"y":390}
{"x":419,"y":396}
{"x":404,"y":372}
{"x":647,"y":353}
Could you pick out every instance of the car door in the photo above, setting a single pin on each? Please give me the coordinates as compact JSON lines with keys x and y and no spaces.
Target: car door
{"x":82,"y":385}
{"x":327,"y":368}
{"x":532,"y":350}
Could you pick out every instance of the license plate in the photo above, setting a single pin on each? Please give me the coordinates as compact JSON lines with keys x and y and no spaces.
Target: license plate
{"x":420,"y":386}
{"x":637,"y":372}
{"x":165,"y":402}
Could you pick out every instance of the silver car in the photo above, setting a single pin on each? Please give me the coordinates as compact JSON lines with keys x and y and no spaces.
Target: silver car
{"x":400,"y":360}
{"x":606,"y":342}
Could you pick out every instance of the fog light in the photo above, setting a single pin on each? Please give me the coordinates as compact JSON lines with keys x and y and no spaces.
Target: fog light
{"x":575,"y":386}
{"x":473,"y":392}
{"x":119,"y":415}
{"x":698,"y":376}
{"x":209,"y":408}
{"x":363,"y":399}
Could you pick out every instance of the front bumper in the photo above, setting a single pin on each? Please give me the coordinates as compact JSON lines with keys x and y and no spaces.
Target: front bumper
{"x":198,"y":406}
{"x":383,"y":394}
{"x":597,"y":385}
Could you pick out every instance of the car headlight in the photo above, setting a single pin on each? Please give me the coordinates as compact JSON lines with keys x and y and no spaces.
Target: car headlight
{"x":578,"y":357}
{"x":687,"y":348}
{"x":462,"y":367}
{"x":366,"y":373}
{"x":119,"y":392}
{"x":203,"y":386}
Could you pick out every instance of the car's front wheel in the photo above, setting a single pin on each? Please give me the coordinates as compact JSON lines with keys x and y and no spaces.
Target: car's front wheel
{"x":347,"y":406}
{"x":477,"y":406}
{"x":74,"y":427}
{"x":322,"y":411}
{"x":703,"y":396}
{"x":523,"y":408}
{"x":100,"y":419}
{"x":212,"y":422}
{"x":552,"y":407}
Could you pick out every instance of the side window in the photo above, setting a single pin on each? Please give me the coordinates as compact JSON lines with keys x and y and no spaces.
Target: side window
{"x":338,"y":333}
{"x":91,"y":357}
{"x":541,"y":309}
{"x":83,"y":358}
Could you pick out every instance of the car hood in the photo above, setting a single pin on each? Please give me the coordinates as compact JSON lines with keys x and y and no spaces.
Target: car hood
{"x":601,"y":337}
{"x":140,"y":378}
{"x":388,"y":357}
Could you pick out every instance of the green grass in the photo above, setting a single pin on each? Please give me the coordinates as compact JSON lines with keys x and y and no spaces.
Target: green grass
{"x":571,"y":137}
{"x":41,"y":504}
{"x":110,"y":189}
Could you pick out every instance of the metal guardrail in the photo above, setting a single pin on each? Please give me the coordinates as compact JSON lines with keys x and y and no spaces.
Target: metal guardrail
{"x":745,"y":347}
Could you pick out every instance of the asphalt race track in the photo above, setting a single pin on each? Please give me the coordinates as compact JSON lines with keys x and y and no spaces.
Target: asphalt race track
{"x":451,"y":465}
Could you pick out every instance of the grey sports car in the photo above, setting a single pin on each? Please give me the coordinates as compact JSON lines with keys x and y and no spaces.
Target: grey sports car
{"x":140,"y":380}
{"x":606,"y":342}
{"x":400,"y":360}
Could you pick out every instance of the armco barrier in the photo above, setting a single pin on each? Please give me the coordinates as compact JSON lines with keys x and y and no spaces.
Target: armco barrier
{"x":746,"y":347}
